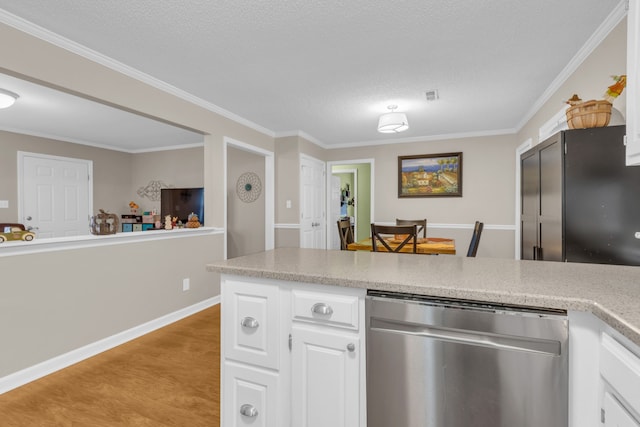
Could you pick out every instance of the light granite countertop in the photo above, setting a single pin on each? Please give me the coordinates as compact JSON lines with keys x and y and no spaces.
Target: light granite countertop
{"x":612,"y":293}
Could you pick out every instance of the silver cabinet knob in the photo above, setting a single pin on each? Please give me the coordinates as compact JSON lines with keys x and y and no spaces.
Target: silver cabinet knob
{"x":28,"y":218}
{"x":248,"y":410}
{"x":321,"y":308}
{"x":249,"y":322}
{"x":351,"y":347}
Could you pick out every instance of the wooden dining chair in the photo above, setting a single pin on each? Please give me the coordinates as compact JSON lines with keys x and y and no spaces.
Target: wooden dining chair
{"x":346,"y":233}
{"x":408,"y":234}
{"x":475,"y":239}
{"x":421,"y":223}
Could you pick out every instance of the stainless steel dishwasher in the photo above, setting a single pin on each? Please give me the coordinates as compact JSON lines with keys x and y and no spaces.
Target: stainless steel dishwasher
{"x":443,"y":363}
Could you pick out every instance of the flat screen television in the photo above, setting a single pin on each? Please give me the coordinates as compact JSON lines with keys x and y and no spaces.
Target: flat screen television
{"x":181,"y":202}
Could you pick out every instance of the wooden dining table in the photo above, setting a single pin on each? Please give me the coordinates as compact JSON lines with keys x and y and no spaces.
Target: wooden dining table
{"x":427,"y":246}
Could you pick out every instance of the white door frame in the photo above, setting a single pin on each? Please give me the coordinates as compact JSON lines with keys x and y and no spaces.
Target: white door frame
{"x":269,"y":189}
{"x":330,"y":165}
{"x":23,"y":154}
{"x":518,"y":197}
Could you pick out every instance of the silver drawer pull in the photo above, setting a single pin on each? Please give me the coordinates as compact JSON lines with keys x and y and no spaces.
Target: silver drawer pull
{"x":249,"y":322}
{"x":248,"y":410}
{"x":321,"y":308}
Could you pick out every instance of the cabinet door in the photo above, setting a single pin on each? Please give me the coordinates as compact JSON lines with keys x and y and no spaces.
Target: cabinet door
{"x":633,"y":83}
{"x":615,"y":415}
{"x":530,"y":188}
{"x":250,"y":313}
{"x":250,"y":397}
{"x":550,"y":219}
{"x":325,"y":378}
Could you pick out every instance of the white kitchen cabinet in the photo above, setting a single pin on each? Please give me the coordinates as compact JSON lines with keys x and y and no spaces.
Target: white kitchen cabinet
{"x":315,"y":378}
{"x":620,"y":371}
{"x":615,"y":415}
{"x":633,"y":83}
{"x":250,"y":314}
{"x":604,"y":375}
{"x":325,"y":377}
{"x":251,"y":396}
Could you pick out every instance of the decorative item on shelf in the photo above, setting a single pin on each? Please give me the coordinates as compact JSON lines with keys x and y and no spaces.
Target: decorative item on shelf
{"x":193,"y":221}
{"x":594,"y":113}
{"x":14,"y":231}
{"x":248,"y":187}
{"x":152,"y":190}
{"x":168,"y":225}
{"x":134,"y":207}
{"x":103,"y":223}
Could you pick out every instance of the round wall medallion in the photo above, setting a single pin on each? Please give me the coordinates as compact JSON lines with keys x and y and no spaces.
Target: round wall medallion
{"x":248,"y":187}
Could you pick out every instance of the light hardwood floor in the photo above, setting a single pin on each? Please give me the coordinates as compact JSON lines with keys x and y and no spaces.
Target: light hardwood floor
{"x":170,"y":377}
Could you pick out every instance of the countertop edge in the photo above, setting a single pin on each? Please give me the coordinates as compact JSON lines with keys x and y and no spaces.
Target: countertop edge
{"x":615,"y":320}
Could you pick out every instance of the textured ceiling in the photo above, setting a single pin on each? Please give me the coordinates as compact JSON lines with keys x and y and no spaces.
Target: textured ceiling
{"x":329,"y":68}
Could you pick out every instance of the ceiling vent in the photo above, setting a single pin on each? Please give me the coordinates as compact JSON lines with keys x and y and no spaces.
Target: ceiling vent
{"x":432,"y":95}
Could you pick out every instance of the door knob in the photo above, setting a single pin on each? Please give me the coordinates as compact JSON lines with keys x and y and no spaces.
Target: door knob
{"x":248,"y":410}
{"x":351,"y":347}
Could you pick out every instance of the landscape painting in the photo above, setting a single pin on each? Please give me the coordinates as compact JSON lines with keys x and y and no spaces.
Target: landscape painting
{"x":430,"y":175}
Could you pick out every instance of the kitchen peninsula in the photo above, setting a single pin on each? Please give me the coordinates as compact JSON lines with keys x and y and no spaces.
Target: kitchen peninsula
{"x":601,"y":301}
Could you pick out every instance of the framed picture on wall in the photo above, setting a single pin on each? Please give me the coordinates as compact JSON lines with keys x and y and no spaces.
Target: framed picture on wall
{"x":430,"y":175}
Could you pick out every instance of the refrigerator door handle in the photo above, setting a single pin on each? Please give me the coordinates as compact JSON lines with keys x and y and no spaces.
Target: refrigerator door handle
{"x":535,"y":253}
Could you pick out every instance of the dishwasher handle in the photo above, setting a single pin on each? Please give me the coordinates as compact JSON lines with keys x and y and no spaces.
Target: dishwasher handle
{"x":465,"y":336}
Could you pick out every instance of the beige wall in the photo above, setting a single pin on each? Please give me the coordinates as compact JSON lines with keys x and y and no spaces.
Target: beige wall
{"x":116,"y":175}
{"x":245,"y":221}
{"x":176,"y":168}
{"x":55,"y":302}
{"x":34,"y":59}
{"x":111,"y":171}
{"x":77,"y":297}
{"x":488,"y":188}
{"x":589,"y":81}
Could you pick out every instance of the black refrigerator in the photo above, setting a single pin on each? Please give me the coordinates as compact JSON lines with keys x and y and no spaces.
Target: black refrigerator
{"x":580,"y":203}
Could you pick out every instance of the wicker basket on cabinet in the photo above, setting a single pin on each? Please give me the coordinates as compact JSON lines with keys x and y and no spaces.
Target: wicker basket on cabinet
{"x":589,"y":114}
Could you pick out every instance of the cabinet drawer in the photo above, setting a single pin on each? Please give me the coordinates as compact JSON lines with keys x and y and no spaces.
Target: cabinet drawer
{"x":250,"y":397}
{"x":621,"y":369}
{"x":326,"y":308}
{"x":251,"y":313}
{"x":615,"y":415}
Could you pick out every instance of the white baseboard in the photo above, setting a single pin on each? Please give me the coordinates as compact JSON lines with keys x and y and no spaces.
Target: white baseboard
{"x":50,"y":366}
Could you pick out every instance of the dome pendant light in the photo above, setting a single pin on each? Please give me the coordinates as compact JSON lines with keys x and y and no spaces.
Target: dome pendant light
{"x":7,"y":98}
{"x":393,"y":122}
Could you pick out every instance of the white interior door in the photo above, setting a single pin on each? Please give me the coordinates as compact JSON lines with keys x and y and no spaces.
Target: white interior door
{"x":312,"y":213}
{"x":54,"y":194}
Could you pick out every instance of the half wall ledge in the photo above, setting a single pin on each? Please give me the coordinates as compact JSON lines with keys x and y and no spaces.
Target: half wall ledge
{"x":13,"y":248}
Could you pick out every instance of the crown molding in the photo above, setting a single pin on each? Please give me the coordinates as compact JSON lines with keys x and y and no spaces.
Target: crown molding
{"x":614,"y":18}
{"x":83,"y":51}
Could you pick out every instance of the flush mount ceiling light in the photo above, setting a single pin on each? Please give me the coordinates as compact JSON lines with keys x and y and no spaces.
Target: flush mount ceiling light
{"x":393,"y":122}
{"x":7,"y":98}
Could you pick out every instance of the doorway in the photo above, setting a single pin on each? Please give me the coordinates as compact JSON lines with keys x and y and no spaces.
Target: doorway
{"x":249,"y":202}
{"x":55,"y":194}
{"x":357,"y":199}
